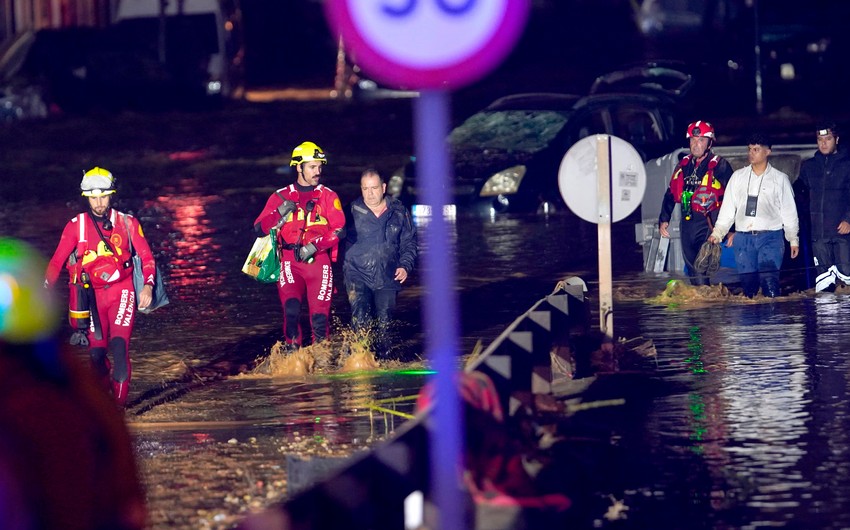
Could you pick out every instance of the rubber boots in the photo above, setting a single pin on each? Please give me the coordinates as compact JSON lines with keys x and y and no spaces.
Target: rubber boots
{"x":770,"y":287}
{"x":120,"y":391}
{"x":750,"y":283}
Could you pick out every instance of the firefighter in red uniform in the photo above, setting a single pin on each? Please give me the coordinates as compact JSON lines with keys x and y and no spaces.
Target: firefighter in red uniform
{"x":95,"y":248}
{"x":310,"y":224}
{"x":697,"y":184}
{"x":66,"y":458}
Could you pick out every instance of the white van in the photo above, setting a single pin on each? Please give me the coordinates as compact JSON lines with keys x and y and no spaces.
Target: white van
{"x":195,"y":40}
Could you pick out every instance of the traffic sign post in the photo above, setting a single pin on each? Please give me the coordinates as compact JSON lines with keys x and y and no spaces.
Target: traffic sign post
{"x":433,"y":46}
{"x":603,"y":235}
{"x":602,"y":179}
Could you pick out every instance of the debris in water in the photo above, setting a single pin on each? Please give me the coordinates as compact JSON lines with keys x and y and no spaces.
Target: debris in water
{"x":679,"y":291}
{"x":617,"y":510}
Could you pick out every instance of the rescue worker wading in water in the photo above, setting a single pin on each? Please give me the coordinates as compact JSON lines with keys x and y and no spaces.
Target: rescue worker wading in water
{"x":311,"y":223}
{"x":697,"y":184}
{"x":96,"y":251}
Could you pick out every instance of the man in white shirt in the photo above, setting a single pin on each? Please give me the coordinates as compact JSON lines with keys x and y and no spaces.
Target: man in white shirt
{"x":760,"y":202}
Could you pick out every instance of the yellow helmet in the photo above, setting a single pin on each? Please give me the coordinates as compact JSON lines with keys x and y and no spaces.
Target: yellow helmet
{"x":97,"y":182}
{"x":307,"y":152}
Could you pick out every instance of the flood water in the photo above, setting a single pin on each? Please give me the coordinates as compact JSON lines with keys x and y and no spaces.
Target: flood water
{"x":750,"y":430}
{"x":757,"y":435}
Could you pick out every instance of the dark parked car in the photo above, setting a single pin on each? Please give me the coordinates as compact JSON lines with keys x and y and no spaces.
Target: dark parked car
{"x":695,"y":86}
{"x":506,"y":157}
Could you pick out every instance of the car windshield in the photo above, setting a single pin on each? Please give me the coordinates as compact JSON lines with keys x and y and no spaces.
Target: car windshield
{"x":509,"y":130}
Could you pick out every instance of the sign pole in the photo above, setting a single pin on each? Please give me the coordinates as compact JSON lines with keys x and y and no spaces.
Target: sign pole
{"x":596,"y":159}
{"x":431,"y":113}
{"x":604,"y":207}
{"x":434,"y":46}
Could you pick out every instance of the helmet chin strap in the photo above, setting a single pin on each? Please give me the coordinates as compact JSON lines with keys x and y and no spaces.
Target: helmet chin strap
{"x":107,"y":224}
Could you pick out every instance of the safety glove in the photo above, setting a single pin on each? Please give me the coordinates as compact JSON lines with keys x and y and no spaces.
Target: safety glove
{"x":286,"y":208}
{"x":306,"y":252}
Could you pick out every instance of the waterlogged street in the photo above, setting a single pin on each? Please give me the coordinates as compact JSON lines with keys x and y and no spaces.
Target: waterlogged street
{"x":749,"y":430}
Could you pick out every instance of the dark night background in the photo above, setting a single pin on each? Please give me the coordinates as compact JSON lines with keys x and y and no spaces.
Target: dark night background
{"x":287,"y":42}
{"x":567,"y":43}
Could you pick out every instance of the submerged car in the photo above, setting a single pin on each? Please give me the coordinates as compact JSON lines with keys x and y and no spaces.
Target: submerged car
{"x":506,"y":157}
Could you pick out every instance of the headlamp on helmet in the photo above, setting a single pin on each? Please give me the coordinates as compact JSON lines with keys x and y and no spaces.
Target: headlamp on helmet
{"x":307,"y":152}
{"x":825,"y":129}
{"x":700,"y":129}
{"x":97,"y":182}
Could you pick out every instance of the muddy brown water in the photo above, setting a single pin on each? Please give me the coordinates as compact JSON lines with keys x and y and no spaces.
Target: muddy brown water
{"x":750,"y":432}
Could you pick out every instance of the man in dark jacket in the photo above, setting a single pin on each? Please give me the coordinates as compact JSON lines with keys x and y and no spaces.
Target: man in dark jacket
{"x":825,"y":179}
{"x":380,"y":253}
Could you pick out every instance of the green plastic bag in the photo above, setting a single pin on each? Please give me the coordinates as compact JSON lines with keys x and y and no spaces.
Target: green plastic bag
{"x":263,"y":263}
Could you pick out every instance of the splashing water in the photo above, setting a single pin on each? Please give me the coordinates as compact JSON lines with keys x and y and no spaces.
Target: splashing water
{"x":352,"y":354}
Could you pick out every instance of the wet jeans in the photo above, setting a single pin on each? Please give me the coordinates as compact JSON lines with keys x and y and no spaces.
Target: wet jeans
{"x":758,"y":257}
{"x":372,"y":307}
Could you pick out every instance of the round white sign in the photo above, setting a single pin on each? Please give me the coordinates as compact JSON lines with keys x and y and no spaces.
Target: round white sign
{"x":578,"y":176}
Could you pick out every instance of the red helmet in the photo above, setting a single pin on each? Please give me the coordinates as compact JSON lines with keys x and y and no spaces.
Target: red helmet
{"x":700,"y":128}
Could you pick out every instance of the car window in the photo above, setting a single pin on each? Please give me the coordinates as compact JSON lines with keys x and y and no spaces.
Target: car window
{"x":591,"y":123}
{"x":510,"y":130}
{"x":638,"y":126}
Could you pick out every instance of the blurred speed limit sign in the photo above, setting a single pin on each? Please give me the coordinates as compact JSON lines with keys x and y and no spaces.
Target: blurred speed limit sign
{"x":428,"y":43}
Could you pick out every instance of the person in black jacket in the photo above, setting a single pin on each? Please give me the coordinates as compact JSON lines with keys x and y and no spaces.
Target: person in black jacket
{"x":380,"y":253}
{"x":825,"y":178}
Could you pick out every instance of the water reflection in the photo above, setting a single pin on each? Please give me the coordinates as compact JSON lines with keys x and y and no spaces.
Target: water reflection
{"x":764,"y":390}
{"x":702,"y":408}
{"x":195,"y":247}
{"x":763,"y":407}
{"x":337,"y":407}
{"x":827,"y":459}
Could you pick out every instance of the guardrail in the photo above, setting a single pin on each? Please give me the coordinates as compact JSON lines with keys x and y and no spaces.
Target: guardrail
{"x":380,"y":489}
